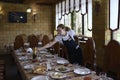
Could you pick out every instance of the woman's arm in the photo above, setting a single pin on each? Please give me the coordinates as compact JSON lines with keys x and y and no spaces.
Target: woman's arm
{"x":48,"y":45}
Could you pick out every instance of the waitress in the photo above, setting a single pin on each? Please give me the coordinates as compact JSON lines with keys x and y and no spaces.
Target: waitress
{"x":66,"y":37}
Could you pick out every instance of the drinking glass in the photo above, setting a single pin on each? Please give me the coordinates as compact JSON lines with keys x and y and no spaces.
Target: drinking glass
{"x":103,"y":75}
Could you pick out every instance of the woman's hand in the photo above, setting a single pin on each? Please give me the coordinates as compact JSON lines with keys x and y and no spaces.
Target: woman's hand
{"x":47,"y":45}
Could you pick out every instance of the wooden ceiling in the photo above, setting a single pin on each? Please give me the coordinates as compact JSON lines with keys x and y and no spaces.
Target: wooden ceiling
{"x":46,"y":2}
{"x":12,"y":1}
{"x":43,"y":2}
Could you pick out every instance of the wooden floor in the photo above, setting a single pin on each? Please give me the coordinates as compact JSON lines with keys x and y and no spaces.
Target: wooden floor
{"x":11,"y":71}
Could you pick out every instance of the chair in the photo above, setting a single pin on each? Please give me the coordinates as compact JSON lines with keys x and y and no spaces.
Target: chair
{"x":40,"y":37}
{"x":45,"y":40}
{"x":51,"y":38}
{"x":88,"y":49}
{"x":112,"y":53}
{"x":19,"y":42}
{"x":24,"y":37}
{"x":55,"y":49}
{"x":33,"y":40}
{"x":63,"y":51}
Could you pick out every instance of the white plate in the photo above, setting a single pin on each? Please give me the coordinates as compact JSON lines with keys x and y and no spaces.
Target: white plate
{"x":20,"y":53}
{"x":23,"y":58}
{"x":42,"y":52}
{"x":29,"y":66}
{"x":62,"y":69}
{"x":83,"y":71}
{"x":40,"y":78}
{"x":49,"y":56}
{"x":57,"y":75}
{"x":62,"y":61}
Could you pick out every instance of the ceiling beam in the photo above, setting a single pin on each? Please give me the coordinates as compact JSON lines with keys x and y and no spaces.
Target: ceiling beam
{"x":41,"y":2}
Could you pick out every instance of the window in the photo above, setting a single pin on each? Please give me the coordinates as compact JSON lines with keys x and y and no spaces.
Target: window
{"x":114,"y":28}
{"x":76,"y":14}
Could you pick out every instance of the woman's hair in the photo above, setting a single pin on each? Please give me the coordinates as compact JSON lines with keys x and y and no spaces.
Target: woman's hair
{"x":67,"y":28}
{"x":63,"y":27}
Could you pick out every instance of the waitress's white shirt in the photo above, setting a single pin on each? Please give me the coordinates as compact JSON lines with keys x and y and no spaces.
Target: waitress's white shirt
{"x":69,"y":34}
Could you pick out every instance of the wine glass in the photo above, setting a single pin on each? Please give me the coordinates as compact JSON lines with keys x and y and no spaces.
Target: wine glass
{"x":103,"y":75}
{"x":26,"y":46}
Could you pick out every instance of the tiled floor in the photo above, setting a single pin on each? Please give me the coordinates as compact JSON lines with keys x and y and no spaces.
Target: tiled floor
{"x":11,"y":72}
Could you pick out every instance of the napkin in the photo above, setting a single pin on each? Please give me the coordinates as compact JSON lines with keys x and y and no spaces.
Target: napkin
{"x":29,"y":50}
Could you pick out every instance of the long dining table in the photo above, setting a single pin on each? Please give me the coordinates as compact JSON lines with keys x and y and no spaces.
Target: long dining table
{"x":50,"y":67}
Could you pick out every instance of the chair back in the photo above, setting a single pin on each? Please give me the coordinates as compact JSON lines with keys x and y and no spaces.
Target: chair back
{"x":33,"y":40}
{"x":112,"y":59}
{"x":63,"y":51}
{"x":89,"y":51}
{"x":40,"y":37}
{"x":18,"y":43}
{"x":112,"y":52}
{"x":45,"y":40}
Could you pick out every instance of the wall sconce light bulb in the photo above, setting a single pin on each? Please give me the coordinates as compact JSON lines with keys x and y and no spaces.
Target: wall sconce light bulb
{"x":29,"y":10}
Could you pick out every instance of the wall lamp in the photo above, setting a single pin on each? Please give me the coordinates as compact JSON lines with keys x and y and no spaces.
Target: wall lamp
{"x":34,"y":13}
{"x":34,"y":16}
{"x":29,"y":10}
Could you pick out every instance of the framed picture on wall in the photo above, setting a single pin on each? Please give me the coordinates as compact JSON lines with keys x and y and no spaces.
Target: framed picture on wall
{"x":17,"y":17}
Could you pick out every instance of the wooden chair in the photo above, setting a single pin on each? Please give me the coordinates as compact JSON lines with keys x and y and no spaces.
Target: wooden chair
{"x":56,"y":48}
{"x":88,"y":49}
{"x":18,"y":43}
{"x":112,"y":53}
{"x":45,"y":40}
{"x":63,"y":51}
{"x":24,"y":37}
{"x":51,"y":37}
{"x":33,"y":40}
{"x":40,"y":37}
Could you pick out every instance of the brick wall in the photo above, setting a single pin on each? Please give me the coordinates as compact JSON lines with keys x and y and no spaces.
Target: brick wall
{"x":43,"y":23}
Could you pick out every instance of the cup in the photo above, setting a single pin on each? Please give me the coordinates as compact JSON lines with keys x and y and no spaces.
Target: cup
{"x":103,"y":75}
